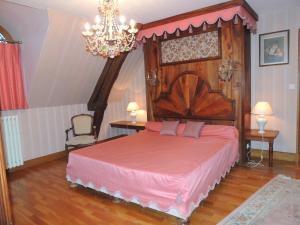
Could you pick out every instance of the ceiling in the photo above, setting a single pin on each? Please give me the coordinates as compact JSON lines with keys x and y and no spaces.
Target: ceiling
{"x":146,"y":10}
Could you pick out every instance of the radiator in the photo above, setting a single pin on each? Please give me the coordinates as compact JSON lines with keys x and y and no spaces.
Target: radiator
{"x":12,"y":141}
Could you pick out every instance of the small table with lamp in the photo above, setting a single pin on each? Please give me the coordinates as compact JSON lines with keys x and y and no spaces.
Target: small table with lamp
{"x":268,"y":136}
{"x":261,"y":109}
{"x":132,"y":108}
{"x":137,"y":126}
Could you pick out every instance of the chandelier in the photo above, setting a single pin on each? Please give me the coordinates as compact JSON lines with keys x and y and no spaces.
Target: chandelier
{"x":109,"y":36}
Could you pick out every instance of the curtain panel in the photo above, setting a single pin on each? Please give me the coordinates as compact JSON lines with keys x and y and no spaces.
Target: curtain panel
{"x":12,"y":95}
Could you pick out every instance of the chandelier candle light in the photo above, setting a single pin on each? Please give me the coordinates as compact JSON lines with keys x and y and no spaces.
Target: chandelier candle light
{"x":108,"y":37}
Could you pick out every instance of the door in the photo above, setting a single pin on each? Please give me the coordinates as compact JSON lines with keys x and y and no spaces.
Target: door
{"x":5,"y":210}
{"x":298,"y":113}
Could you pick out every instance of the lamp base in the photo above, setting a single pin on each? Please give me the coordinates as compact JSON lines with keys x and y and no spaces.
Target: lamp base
{"x":261,"y":122}
{"x":133,"y":116}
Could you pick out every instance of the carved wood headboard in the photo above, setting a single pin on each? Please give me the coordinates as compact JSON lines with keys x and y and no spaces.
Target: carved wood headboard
{"x":194,"y":90}
{"x":190,"y":97}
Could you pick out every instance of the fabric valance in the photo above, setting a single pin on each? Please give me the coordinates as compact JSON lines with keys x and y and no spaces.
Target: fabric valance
{"x":196,"y":21}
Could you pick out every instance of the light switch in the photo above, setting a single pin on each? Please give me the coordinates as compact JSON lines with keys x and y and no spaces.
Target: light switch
{"x":292,"y":86}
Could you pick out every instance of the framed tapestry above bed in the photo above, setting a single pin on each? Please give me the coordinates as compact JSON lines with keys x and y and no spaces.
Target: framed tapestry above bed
{"x":190,"y":47}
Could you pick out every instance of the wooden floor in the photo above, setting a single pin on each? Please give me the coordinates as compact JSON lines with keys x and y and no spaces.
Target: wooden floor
{"x":41,"y":195}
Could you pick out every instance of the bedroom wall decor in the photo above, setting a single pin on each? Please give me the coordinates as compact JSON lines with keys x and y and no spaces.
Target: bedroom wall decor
{"x":274,"y":48}
{"x":191,"y":48}
{"x":193,"y":89}
{"x":152,"y":78}
{"x":226,"y":70}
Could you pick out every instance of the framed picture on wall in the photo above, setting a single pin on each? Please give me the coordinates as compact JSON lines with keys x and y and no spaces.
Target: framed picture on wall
{"x":274,"y":48}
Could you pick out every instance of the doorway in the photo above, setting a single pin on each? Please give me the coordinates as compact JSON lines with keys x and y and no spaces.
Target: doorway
{"x":298,"y":113}
{"x":5,"y":210}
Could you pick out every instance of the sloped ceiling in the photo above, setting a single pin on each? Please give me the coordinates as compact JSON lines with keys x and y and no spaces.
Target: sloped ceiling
{"x":56,"y":68}
{"x":66,"y":73}
{"x":30,"y":26}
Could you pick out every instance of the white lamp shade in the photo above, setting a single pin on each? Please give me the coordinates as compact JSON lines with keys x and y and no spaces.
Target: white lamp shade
{"x":132,"y":106}
{"x":262,"y":108}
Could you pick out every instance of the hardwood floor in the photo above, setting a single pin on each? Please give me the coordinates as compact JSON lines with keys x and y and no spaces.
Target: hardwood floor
{"x":41,"y":195}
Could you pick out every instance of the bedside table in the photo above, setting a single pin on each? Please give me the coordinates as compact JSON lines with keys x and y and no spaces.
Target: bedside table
{"x":269,"y":136}
{"x":129,"y":125}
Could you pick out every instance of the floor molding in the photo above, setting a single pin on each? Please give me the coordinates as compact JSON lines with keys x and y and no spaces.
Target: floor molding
{"x":40,"y":160}
{"x":283,"y":156}
{"x":54,"y":156}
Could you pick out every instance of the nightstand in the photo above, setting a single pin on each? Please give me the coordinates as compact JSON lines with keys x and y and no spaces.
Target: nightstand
{"x":129,"y":125}
{"x":269,"y":136}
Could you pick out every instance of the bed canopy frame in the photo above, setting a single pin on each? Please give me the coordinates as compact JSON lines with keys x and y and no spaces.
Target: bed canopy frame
{"x":193,"y":89}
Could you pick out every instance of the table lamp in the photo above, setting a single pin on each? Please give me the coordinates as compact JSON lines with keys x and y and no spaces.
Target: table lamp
{"x":132,"y":107}
{"x":262,"y":109}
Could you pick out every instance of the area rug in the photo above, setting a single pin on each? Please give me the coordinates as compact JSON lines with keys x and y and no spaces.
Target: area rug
{"x":276,"y":203}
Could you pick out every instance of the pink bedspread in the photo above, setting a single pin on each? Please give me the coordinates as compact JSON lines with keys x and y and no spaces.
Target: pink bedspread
{"x":172,"y":172}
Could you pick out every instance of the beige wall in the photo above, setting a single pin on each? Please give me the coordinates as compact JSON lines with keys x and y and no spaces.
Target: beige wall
{"x":130,"y":86}
{"x":274,"y":83}
{"x":43,"y":129}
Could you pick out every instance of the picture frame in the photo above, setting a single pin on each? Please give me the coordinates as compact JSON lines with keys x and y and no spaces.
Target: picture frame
{"x":195,"y":54}
{"x":274,"y":48}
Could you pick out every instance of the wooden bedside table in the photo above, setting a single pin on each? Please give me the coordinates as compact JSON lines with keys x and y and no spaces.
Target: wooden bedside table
{"x":129,"y":125}
{"x":269,"y":136}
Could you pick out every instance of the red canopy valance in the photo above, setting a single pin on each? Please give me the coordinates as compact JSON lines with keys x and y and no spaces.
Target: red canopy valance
{"x":196,"y":21}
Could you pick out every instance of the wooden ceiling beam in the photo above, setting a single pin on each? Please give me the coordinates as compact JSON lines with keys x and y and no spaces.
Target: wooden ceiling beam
{"x":98,"y":100}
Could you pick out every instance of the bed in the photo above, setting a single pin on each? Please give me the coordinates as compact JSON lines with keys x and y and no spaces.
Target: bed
{"x":171,"y":174}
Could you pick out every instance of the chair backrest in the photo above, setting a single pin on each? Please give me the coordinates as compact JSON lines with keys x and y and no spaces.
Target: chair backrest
{"x":82,"y":124}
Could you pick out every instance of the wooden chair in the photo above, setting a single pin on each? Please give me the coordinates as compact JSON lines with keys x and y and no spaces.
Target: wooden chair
{"x":84,"y":133}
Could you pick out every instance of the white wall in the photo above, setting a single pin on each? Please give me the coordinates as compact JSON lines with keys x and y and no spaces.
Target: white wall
{"x":271,"y":83}
{"x":43,"y":129}
{"x":130,"y":86}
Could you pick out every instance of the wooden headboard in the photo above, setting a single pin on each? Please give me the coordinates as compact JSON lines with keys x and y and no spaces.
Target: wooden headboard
{"x":190,"y":97}
{"x":194,"y":90}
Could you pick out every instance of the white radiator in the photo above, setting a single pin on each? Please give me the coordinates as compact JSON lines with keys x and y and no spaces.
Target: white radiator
{"x":12,"y":141}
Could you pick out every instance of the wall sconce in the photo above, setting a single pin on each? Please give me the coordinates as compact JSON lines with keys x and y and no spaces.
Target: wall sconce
{"x":225,"y":70}
{"x":152,"y":78}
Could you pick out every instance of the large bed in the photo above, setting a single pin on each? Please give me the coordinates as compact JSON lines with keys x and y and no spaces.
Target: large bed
{"x":171,"y":174}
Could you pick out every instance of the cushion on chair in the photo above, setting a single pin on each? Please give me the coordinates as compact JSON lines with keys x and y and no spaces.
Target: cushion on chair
{"x":81,"y":140}
{"x":82,"y":124}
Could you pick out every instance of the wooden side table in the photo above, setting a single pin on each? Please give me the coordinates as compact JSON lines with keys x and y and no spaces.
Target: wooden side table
{"x":129,"y":125}
{"x":269,"y":136}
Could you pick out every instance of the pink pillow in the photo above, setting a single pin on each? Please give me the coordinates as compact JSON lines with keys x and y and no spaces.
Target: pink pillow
{"x":193,"y":129}
{"x":153,"y":126}
{"x":180,"y":129}
{"x":228,"y":132}
{"x":169,"y":128}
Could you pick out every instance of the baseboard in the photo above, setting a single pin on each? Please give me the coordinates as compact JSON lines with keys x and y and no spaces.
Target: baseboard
{"x":54,"y":156}
{"x":40,"y":160}
{"x":283,"y":156}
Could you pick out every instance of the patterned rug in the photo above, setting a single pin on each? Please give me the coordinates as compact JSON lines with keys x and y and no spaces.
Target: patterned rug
{"x":276,"y":203}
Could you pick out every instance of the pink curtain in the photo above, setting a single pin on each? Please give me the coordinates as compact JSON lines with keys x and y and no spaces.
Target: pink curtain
{"x":12,"y":94}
